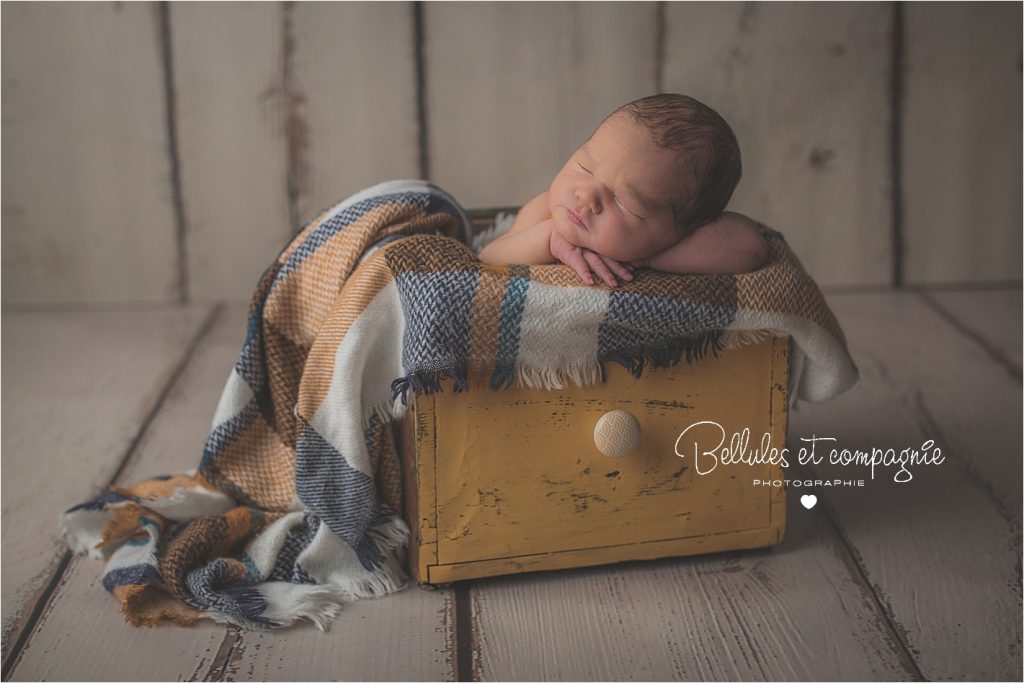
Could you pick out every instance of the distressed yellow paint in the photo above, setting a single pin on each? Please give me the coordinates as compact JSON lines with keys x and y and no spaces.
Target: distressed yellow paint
{"x":511,"y":481}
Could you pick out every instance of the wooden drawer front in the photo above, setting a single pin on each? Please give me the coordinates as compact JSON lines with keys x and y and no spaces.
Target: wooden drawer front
{"x":516,"y":472}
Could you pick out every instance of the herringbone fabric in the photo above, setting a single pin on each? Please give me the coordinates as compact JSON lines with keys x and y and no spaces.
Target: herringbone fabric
{"x":295,"y":504}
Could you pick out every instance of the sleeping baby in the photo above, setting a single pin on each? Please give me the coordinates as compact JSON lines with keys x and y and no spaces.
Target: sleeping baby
{"x":647,"y":190}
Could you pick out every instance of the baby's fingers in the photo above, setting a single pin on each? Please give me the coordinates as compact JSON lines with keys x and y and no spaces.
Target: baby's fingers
{"x":599,"y":267}
{"x":576,"y":261}
{"x":621,"y":269}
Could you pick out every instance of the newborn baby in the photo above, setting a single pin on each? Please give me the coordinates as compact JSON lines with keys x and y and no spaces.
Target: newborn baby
{"x":648,"y":189}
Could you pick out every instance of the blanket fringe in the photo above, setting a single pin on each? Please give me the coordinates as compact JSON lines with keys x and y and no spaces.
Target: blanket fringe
{"x":284,"y":603}
{"x":386,"y":580}
{"x":320,"y":604}
{"x":581,"y":373}
{"x":388,"y":530}
{"x":428,"y":383}
{"x":390,"y":410}
{"x":692,"y":349}
{"x":733,"y":339}
{"x":390,"y":534}
{"x":83,"y":532}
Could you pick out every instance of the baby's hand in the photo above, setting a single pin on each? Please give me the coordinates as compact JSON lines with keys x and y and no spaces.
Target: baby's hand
{"x":584,"y":260}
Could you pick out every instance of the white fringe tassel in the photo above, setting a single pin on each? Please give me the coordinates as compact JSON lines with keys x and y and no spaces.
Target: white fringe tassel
{"x":582,"y":373}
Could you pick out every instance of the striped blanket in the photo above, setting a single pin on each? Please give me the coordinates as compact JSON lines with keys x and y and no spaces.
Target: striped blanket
{"x":295,"y":504}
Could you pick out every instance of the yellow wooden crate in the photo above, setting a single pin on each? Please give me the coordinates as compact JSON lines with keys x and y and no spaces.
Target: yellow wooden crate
{"x":499,"y":482}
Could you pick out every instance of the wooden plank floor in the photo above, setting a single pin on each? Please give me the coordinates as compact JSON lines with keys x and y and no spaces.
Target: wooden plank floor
{"x":893,"y":581}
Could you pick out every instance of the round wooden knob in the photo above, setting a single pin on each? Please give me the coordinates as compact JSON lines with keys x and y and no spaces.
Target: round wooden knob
{"x":617,"y":433}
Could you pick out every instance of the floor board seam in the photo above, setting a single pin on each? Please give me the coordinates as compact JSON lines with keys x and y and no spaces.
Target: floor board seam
{"x":176,"y":373}
{"x":231,"y":644}
{"x":463,"y":633}
{"x":853,"y":560}
{"x":929,"y":425}
{"x":971,"y":474}
{"x":14,"y":656}
{"x":51,"y":587}
{"x":994,"y":353}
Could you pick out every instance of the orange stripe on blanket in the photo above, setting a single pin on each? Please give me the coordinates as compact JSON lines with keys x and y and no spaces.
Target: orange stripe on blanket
{"x":259,"y":466}
{"x":159,"y":488}
{"x":485,"y":316}
{"x":297,"y":305}
{"x":149,"y":605}
{"x":799,"y":296}
{"x":372,"y":276}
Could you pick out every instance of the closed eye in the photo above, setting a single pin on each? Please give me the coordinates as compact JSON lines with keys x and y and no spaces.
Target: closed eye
{"x":623,"y":207}
{"x":617,"y":201}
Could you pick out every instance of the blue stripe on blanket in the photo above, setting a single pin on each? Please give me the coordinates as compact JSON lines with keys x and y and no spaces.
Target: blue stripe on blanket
{"x":101,"y":502}
{"x":286,"y":566}
{"x":636,"y":321}
{"x":343,"y":498}
{"x":134,"y":575}
{"x":138,"y":542}
{"x":238,"y":600}
{"x":248,"y":365}
{"x":508,"y":326}
{"x":662,"y":330}
{"x":337,"y":222}
{"x":440,"y":204}
{"x":224,"y":434}
{"x":437,"y":308}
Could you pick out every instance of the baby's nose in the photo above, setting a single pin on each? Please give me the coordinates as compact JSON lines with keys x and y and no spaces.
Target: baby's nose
{"x":590,"y":198}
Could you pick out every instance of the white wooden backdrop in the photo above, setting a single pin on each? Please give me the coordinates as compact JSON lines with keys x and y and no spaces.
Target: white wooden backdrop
{"x":164,"y":153}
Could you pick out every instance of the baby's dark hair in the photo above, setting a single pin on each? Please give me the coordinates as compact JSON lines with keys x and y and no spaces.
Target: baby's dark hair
{"x":701,"y":136}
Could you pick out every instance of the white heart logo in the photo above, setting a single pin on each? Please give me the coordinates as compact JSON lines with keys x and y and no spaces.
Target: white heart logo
{"x":808,"y":501}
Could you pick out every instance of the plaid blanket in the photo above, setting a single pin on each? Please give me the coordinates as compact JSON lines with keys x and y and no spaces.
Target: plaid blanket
{"x":295,"y":505}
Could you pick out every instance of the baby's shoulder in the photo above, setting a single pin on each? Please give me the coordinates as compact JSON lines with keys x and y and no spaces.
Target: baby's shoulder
{"x":538,"y":204}
{"x":731,"y":219}
{"x":531,"y":213}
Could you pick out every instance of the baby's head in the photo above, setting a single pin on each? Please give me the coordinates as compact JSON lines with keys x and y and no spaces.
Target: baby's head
{"x":653,"y":171}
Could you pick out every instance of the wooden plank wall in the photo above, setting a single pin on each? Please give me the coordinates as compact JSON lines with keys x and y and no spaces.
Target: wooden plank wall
{"x":87,"y":193}
{"x":806,"y":88}
{"x":159,"y":153}
{"x":962,"y":141}
{"x":540,"y":80}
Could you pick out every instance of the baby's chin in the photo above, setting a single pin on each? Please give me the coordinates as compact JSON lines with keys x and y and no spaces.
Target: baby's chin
{"x":570,"y":231}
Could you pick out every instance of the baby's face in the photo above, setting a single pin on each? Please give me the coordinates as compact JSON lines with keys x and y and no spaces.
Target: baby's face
{"x":614,"y":194}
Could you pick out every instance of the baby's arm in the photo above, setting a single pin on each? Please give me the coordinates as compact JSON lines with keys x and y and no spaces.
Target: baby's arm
{"x":527,"y":241}
{"x":529,"y":246}
{"x":533,"y":240}
{"x":729,"y":245}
